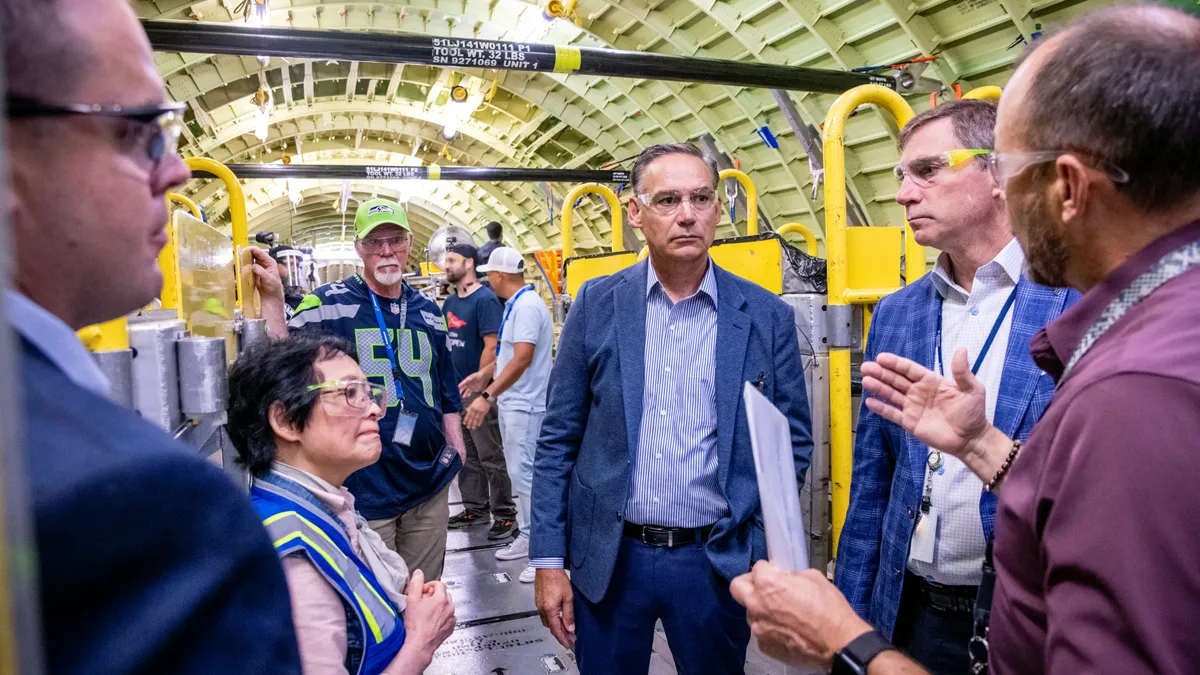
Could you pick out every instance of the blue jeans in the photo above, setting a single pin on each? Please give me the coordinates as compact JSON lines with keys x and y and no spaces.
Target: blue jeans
{"x":935,"y":639}
{"x":706,"y":629}
{"x":519,"y":430}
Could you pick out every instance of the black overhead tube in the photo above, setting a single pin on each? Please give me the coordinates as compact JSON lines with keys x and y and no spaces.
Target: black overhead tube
{"x":397,"y":172}
{"x":213,"y":38}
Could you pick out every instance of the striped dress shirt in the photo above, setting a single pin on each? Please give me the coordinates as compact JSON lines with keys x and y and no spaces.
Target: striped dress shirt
{"x":675,"y":464}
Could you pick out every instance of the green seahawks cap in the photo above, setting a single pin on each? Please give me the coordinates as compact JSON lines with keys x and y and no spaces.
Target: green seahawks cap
{"x":371,"y":214}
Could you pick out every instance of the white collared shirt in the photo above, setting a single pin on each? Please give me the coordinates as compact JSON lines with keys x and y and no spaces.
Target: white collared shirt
{"x":57,"y":341}
{"x":967,"y":319}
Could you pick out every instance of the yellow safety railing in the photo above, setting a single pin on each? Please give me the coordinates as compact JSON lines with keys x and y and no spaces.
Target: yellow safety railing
{"x":239,"y":226}
{"x":644,"y":253}
{"x":841,"y":447}
{"x":751,"y":197}
{"x":568,"y":217}
{"x":186,"y":203}
{"x":988,"y":93}
{"x":810,"y":239}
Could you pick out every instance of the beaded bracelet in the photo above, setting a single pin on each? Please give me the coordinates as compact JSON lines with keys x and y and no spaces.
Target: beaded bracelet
{"x":1012,"y":454}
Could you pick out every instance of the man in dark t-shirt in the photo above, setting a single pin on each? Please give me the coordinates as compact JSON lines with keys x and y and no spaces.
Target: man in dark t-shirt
{"x":472,"y":325}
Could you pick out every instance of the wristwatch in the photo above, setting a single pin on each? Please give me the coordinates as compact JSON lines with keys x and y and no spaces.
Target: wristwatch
{"x":854,"y":658}
{"x":485,"y":395}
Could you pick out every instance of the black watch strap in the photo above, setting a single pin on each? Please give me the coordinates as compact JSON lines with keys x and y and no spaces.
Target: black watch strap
{"x":854,"y":658}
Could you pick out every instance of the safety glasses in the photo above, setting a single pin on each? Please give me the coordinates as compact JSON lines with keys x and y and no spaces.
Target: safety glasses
{"x":154,"y":130}
{"x":923,"y":171}
{"x":359,"y":395}
{"x":383,"y":244}
{"x":1004,"y":166}
{"x":667,"y":202}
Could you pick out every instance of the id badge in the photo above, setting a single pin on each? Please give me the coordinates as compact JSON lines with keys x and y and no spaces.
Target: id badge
{"x":406,"y":424}
{"x":924,"y":538}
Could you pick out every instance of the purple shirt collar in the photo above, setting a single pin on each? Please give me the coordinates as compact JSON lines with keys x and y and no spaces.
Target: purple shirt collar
{"x":1053,"y":346}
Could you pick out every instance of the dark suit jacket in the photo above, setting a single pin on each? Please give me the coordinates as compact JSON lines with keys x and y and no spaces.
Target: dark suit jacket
{"x":583,"y":466}
{"x":150,"y":559}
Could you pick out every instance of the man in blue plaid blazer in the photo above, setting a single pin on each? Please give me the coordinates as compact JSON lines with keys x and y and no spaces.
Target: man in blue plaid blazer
{"x":911,"y":552}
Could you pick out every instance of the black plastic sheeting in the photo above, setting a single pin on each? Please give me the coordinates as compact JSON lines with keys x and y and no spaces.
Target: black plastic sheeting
{"x":802,"y":273}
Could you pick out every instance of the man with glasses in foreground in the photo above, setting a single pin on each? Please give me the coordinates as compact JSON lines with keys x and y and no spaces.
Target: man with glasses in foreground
{"x":148,"y":558}
{"x":644,"y":484}
{"x":400,"y":339}
{"x":911,"y":554}
{"x":1096,"y":547}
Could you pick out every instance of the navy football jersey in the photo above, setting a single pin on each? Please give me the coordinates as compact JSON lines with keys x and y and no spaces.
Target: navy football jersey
{"x":404,"y":476}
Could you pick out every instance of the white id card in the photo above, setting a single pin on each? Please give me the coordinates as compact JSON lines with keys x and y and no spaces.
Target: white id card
{"x":406,"y":424}
{"x":921,"y":549}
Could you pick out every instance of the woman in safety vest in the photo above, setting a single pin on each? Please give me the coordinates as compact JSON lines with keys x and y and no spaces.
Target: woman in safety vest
{"x":303,"y":417}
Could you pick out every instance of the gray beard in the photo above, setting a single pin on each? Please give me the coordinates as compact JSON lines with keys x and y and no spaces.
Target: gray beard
{"x":389,"y":278}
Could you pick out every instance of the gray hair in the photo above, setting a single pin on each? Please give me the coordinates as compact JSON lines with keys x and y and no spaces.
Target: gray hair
{"x":1121,"y":87}
{"x":654,"y":152}
{"x":974,"y":123}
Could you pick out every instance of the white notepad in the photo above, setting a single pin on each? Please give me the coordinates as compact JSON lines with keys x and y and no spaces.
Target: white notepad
{"x":771,"y":439}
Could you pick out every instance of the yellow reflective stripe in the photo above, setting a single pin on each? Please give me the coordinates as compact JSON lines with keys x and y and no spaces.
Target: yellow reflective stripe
{"x":435,"y":172}
{"x":279,"y":516}
{"x":366,"y":612}
{"x":566,"y":59}
{"x":321,"y":532}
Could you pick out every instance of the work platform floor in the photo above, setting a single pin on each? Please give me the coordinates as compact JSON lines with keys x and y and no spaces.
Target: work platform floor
{"x":498,"y":630}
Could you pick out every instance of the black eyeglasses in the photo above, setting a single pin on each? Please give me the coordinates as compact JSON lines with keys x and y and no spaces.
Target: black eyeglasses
{"x":163,"y":122}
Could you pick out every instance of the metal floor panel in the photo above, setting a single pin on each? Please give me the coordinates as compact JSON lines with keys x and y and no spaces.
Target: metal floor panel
{"x":473,"y":537}
{"x":518,"y":647}
{"x":483,"y":587}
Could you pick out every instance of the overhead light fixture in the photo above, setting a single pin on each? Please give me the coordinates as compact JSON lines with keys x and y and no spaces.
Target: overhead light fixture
{"x":459,"y":93}
{"x":449,"y":132}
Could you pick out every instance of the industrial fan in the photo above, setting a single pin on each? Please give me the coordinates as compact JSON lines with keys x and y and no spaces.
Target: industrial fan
{"x":443,"y":239}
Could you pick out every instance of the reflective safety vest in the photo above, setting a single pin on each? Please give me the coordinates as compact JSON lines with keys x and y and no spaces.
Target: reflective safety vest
{"x":296,"y":526}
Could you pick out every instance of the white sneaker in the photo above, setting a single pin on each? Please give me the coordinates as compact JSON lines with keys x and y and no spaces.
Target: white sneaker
{"x":519,"y":548}
{"x":528,"y":576}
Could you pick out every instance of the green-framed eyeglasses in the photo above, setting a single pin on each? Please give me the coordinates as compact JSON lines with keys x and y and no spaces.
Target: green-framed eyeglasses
{"x":359,"y":394}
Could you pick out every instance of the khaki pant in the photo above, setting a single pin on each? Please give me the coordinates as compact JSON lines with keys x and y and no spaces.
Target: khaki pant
{"x":419,"y":534}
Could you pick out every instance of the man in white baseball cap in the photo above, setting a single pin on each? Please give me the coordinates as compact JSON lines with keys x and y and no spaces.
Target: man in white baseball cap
{"x":519,"y":388}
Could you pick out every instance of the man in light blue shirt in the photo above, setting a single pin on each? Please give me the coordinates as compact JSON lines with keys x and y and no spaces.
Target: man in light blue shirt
{"x":523,"y":363}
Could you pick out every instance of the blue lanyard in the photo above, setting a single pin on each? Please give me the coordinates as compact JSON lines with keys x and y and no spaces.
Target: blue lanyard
{"x":507,"y":313}
{"x":387,"y":338}
{"x":937,"y":355}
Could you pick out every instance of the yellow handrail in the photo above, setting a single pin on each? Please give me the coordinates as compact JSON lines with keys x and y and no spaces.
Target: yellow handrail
{"x":644,"y":253}
{"x":751,"y":197}
{"x":568,"y":217}
{"x":239,"y":227}
{"x":841,"y":448}
{"x":186,"y":203}
{"x":987,"y":93}
{"x":797,"y":228}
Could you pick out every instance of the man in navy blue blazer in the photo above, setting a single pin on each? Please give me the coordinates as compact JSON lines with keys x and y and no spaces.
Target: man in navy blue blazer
{"x":644,"y":484}
{"x":149,"y":559}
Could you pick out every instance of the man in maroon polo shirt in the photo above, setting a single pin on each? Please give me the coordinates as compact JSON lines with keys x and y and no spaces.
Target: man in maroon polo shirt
{"x":1098,"y":150}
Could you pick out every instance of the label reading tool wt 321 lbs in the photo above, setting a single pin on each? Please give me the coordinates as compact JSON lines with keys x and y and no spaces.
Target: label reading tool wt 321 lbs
{"x":484,"y":54}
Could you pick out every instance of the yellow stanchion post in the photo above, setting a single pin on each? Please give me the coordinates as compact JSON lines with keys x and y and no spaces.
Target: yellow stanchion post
{"x":841,"y":447}
{"x":568,"y":217}
{"x":186,"y":203}
{"x":810,"y":239}
{"x":751,"y":197}
{"x":988,"y":93}
{"x":239,"y":227}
